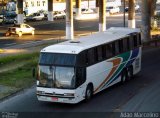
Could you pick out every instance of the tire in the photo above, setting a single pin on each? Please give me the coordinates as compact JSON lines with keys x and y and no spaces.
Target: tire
{"x":130,"y":72}
{"x":7,"y":34}
{"x":89,"y":92}
{"x":20,"y":34}
{"x":33,"y":32}
{"x":124,"y":76}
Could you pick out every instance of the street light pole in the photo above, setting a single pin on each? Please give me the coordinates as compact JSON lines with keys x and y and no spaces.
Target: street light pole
{"x":124,"y":15}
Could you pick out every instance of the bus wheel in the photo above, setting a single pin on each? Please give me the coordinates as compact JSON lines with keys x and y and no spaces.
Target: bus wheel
{"x":130,"y":72}
{"x":89,"y":92}
{"x":124,"y":75}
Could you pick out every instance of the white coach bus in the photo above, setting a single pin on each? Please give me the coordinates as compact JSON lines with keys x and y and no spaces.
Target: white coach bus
{"x":70,"y":72}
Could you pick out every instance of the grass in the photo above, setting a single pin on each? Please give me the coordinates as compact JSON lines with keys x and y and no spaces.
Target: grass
{"x":17,"y":58}
{"x":20,"y":77}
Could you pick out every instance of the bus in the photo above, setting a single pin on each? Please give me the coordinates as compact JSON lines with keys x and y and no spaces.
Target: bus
{"x":72,"y":71}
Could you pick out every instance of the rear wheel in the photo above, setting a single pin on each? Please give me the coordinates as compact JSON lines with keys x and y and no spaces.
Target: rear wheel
{"x":123,"y":75}
{"x":20,"y":34}
{"x":130,"y":72}
{"x":89,"y":92}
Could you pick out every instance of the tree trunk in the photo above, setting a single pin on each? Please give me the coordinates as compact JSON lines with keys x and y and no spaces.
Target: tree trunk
{"x":146,"y":23}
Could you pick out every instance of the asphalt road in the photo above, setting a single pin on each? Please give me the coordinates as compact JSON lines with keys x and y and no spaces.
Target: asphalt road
{"x":141,"y":94}
{"x":46,"y":29}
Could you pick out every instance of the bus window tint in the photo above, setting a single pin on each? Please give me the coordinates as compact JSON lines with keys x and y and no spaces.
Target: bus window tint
{"x":120,"y":45}
{"x":135,"y":40}
{"x":116,"y":47}
{"x":81,"y":59}
{"x":91,"y":56}
{"x":104,"y":51}
{"x":80,"y":76}
{"x":139,"y":39}
{"x":57,"y":59}
{"x":99,"y":53}
{"x":131,"y":44}
{"x":109,"y":50}
{"x":125,"y":45}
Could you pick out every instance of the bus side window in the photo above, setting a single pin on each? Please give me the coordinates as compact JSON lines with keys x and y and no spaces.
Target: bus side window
{"x":131,"y":42}
{"x":135,"y":40}
{"x":81,"y":59}
{"x":109,"y":50}
{"x":104,"y":52}
{"x":86,"y":59}
{"x":128,"y":44}
{"x":99,"y":53}
{"x":121,"y":45}
{"x":116,"y":48}
{"x":125,"y":45}
{"x":91,"y":56}
{"x":80,"y":76}
{"x":139,"y":39}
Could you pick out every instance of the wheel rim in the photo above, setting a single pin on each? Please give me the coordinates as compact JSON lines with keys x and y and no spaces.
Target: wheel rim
{"x":123,"y":78}
{"x":88,"y":93}
{"x":130,"y":73}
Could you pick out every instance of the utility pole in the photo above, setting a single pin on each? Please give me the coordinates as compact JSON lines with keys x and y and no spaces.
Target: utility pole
{"x":78,"y":8}
{"x":97,"y":6}
{"x":102,"y":15}
{"x":145,"y":25}
{"x":20,"y":11}
{"x":50,"y":10}
{"x":131,"y":14}
{"x":69,"y":20}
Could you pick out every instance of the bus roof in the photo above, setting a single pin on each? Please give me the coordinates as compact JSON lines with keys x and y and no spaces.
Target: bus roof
{"x":90,"y":41}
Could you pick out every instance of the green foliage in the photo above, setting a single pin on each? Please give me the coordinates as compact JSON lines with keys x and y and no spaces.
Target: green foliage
{"x":20,"y":77}
{"x":17,"y":58}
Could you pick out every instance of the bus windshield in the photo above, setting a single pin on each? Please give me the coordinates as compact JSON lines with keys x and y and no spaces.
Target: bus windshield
{"x":56,"y":77}
{"x":57,"y":59}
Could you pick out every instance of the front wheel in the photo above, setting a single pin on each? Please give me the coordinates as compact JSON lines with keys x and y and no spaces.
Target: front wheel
{"x":20,"y":34}
{"x":89,"y":93}
{"x":33,"y":32}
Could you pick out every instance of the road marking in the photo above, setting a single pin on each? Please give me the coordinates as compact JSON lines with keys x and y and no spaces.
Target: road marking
{"x":10,"y":44}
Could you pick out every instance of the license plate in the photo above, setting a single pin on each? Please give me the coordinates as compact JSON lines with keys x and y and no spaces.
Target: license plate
{"x":54,"y":99}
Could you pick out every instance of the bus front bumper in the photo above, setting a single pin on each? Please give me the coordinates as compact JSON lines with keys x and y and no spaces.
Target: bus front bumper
{"x":59,"y":96}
